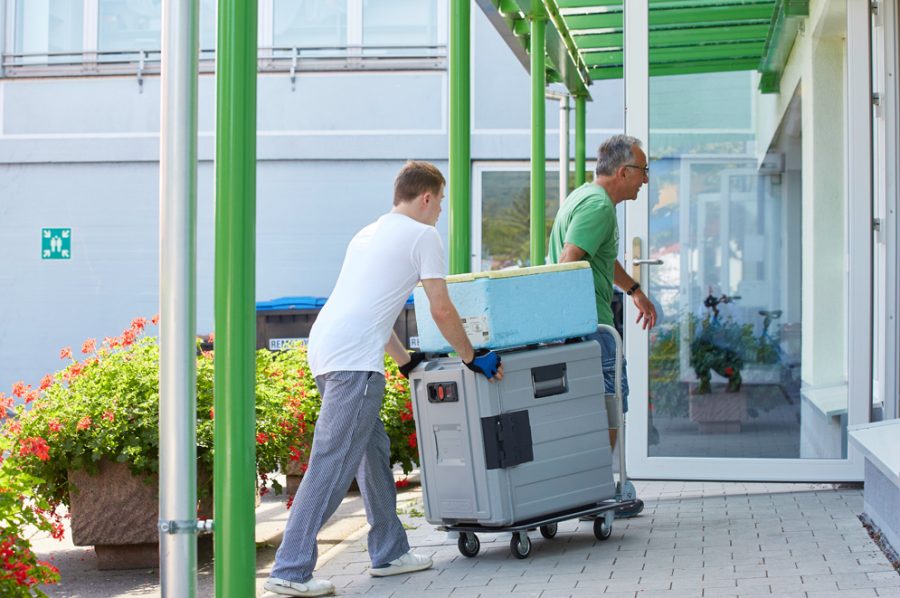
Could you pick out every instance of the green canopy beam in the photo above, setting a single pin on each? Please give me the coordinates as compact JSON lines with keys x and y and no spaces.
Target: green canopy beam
{"x":785,"y":24}
{"x":580,"y":131}
{"x":460,"y":138}
{"x":235,"y":311}
{"x":538,"y":138}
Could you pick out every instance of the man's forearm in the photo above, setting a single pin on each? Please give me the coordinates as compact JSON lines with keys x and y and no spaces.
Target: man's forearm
{"x":396,"y":350}
{"x":621,"y":277}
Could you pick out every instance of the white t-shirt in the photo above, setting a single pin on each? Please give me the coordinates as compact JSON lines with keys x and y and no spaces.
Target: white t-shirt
{"x":384,"y":262}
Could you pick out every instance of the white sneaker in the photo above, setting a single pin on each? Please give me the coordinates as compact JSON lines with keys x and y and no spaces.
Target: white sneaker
{"x":407,"y":563}
{"x":312,"y":587}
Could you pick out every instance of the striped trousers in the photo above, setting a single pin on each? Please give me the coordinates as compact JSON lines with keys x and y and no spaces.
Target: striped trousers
{"x":349,"y":440}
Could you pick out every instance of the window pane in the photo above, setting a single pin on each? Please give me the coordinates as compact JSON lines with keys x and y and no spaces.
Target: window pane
{"x":48,"y":26}
{"x":310,"y":23}
{"x":130,"y":25}
{"x":207,"y":24}
{"x":506,"y":216}
{"x":400,"y":22}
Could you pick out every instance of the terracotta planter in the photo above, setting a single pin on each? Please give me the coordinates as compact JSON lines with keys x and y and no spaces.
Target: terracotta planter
{"x":718,"y":412}
{"x":117,"y":513}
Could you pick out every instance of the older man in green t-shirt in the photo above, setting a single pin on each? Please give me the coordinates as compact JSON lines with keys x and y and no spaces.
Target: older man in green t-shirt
{"x":586,"y":229}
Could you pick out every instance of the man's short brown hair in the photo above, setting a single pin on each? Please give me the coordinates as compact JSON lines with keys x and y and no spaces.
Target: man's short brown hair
{"x":416,"y":178}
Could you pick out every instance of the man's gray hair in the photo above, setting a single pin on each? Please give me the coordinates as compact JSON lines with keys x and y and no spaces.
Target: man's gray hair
{"x":614,"y":153}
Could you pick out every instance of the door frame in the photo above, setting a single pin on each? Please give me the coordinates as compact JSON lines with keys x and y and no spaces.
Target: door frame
{"x":858,"y":128}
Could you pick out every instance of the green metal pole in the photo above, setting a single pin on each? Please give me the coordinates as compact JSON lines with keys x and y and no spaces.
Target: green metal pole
{"x":235,"y":314}
{"x":538,"y":134}
{"x":580,"y":129}
{"x":460,"y":138}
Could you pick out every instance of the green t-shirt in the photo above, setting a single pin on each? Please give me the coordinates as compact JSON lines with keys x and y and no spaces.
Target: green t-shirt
{"x":587,"y":219}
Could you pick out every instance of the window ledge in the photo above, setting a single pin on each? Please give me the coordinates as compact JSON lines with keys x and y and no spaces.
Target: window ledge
{"x":879,"y":443}
{"x":830,"y":401}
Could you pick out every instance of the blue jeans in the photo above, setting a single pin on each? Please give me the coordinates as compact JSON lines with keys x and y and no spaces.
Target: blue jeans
{"x":608,"y":348}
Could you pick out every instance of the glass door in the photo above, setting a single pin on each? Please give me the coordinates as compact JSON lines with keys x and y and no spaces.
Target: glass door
{"x":745,"y":225}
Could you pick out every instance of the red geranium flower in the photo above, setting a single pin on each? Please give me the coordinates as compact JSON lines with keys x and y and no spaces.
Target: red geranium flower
{"x":262,"y":438}
{"x":402,"y":483}
{"x":32,"y":395}
{"x":84,"y":423}
{"x":411,"y":439}
{"x":138,"y":324}
{"x":109,"y":416}
{"x":66,"y":353}
{"x":155,"y":320}
{"x":729,"y":371}
{"x":46,"y":381}
{"x":89,"y":346}
{"x":54,"y":425}
{"x":19,"y":389}
{"x":128,"y":337}
{"x":36,"y":446}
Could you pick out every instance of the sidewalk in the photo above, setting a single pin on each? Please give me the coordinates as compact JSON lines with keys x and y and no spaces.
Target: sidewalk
{"x":693,"y":539}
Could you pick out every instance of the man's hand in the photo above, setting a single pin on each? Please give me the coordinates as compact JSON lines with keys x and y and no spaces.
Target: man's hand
{"x":486,"y":363}
{"x":415,"y":358}
{"x":646,"y":309}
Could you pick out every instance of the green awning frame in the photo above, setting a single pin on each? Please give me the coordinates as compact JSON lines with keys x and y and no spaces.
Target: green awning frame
{"x":585,"y":41}
{"x":786,"y":22}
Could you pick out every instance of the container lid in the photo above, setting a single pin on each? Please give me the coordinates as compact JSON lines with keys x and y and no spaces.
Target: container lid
{"x":289,"y":303}
{"x":511,"y":272}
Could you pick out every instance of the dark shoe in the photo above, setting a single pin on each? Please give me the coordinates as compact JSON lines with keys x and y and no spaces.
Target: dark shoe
{"x":632,"y":510}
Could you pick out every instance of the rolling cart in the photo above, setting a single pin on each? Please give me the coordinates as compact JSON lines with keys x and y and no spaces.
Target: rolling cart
{"x":524,"y":454}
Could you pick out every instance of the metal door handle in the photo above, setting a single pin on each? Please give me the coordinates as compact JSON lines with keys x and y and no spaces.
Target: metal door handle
{"x":648,"y":262}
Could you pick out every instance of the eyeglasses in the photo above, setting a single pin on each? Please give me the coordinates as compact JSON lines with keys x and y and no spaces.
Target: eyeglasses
{"x":646,"y":169}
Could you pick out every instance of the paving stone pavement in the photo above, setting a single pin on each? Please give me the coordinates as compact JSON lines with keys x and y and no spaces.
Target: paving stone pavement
{"x":693,"y":539}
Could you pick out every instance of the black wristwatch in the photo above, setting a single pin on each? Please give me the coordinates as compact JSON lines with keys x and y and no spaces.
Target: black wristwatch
{"x":633,"y":288}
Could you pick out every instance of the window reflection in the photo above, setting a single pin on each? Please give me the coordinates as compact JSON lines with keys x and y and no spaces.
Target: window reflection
{"x":310,"y":23}
{"x":48,"y":26}
{"x":129,"y":25}
{"x":399,"y":22}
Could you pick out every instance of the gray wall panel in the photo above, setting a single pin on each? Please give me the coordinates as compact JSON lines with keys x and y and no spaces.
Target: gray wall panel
{"x":306,"y":214}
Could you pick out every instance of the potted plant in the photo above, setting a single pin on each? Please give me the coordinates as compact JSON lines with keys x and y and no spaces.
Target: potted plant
{"x":718,"y":346}
{"x":99,"y":414}
{"x":290,"y":383}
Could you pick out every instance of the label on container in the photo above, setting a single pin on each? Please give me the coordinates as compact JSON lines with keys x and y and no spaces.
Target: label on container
{"x":277,"y":344}
{"x":477,"y":330}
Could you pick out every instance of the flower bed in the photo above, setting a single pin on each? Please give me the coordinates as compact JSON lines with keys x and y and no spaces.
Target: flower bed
{"x":104,"y":406}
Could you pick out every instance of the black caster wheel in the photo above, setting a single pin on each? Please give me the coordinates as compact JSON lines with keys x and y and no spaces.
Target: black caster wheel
{"x":520,"y":545}
{"x":602,"y":531}
{"x":468,"y":544}
{"x":549,"y":531}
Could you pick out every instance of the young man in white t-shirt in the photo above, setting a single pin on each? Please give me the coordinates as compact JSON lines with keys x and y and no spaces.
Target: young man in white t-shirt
{"x":384,"y":262}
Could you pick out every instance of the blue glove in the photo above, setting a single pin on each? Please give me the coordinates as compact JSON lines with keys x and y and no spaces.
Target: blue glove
{"x":485,"y":362}
{"x":415,"y":359}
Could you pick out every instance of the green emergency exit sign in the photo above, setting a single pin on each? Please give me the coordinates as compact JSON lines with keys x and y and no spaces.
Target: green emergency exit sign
{"x":56,"y":243}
